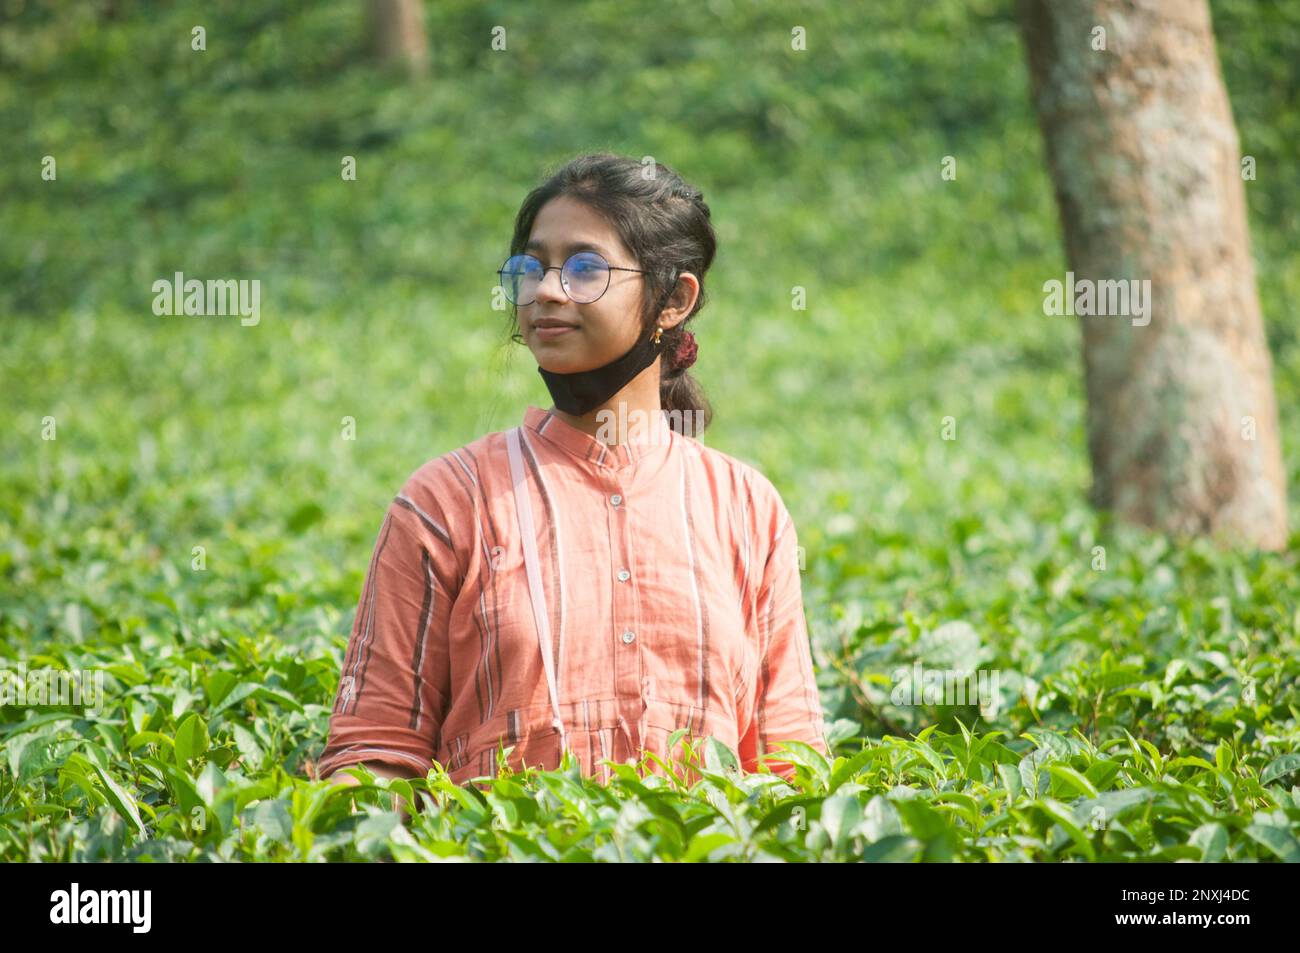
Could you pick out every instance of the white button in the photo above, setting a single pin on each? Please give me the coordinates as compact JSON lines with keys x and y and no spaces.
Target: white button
{"x":616,"y":499}
{"x":628,"y":636}
{"x":624,"y":575}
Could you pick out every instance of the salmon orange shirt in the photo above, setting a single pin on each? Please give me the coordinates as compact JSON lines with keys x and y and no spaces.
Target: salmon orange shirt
{"x":664,"y":585}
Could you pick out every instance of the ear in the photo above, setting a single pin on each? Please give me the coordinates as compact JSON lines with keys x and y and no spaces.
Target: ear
{"x":681,"y":301}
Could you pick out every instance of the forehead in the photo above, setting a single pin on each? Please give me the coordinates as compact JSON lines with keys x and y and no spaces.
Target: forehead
{"x":565,"y":225}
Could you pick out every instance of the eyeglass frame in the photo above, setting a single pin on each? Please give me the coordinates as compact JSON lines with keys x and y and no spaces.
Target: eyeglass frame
{"x":560,"y":268}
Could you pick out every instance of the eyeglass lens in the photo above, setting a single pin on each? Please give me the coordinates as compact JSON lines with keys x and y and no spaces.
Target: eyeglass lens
{"x":585,"y":276}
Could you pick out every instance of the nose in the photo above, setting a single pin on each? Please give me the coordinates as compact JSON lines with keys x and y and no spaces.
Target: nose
{"x":551,"y":287}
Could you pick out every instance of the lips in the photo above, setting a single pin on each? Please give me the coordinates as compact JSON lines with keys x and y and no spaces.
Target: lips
{"x":553,"y":323}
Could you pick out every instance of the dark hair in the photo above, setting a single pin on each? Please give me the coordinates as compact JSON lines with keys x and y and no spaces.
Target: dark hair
{"x":664,"y":222}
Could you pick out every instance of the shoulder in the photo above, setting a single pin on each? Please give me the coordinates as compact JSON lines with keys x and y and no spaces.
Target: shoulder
{"x":455,"y":475}
{"x":769,"y":509}
{"x":441,"y":496}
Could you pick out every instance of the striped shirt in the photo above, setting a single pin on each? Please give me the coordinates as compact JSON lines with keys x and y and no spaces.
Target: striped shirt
{"x":664,"y":589}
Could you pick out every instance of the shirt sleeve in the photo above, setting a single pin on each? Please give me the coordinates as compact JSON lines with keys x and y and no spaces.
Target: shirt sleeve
{"x":787,"y":705}
{"x":394,"y":684}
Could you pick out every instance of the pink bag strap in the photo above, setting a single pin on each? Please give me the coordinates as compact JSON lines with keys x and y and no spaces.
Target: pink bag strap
{"x":527,"y":530}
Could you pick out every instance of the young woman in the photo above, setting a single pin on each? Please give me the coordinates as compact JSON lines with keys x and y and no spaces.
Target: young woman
{"x":595,"y":578}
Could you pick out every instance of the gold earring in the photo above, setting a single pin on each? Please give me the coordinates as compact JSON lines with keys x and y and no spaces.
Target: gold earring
{"x":658,"y":333}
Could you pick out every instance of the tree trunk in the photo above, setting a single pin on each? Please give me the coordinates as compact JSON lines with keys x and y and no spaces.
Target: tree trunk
{"x":397,"y":33}
{"x":1144,"y":156}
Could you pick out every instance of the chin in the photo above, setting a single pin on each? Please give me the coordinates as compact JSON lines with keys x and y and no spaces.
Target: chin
{"x":560,"y":365}
{"x":562,"y":356}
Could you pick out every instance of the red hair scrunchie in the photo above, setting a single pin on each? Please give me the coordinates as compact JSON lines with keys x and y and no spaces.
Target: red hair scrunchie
{"x":684,"y":356}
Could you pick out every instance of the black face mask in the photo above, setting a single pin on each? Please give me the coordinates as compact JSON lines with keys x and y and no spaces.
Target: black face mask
{"x":583,"y":391}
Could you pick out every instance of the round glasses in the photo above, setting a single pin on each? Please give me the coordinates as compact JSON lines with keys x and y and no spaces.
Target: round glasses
{"x":584,"y":277}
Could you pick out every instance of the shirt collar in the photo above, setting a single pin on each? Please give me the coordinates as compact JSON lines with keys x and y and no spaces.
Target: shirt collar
{"x":641,"y":442}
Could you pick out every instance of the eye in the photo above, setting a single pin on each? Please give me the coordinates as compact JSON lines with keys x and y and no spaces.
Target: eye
{"x":586,"y":264}
{"x":521,"y":265}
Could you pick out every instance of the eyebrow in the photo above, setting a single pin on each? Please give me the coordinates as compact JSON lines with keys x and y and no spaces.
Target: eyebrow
{"x":569,"y":249}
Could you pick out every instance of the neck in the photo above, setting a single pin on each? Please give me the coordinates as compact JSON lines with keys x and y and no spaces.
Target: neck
{"x":641,"y":394}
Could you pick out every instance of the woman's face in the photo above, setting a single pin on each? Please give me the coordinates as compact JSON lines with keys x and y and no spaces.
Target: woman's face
{"x":602,"y":330}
